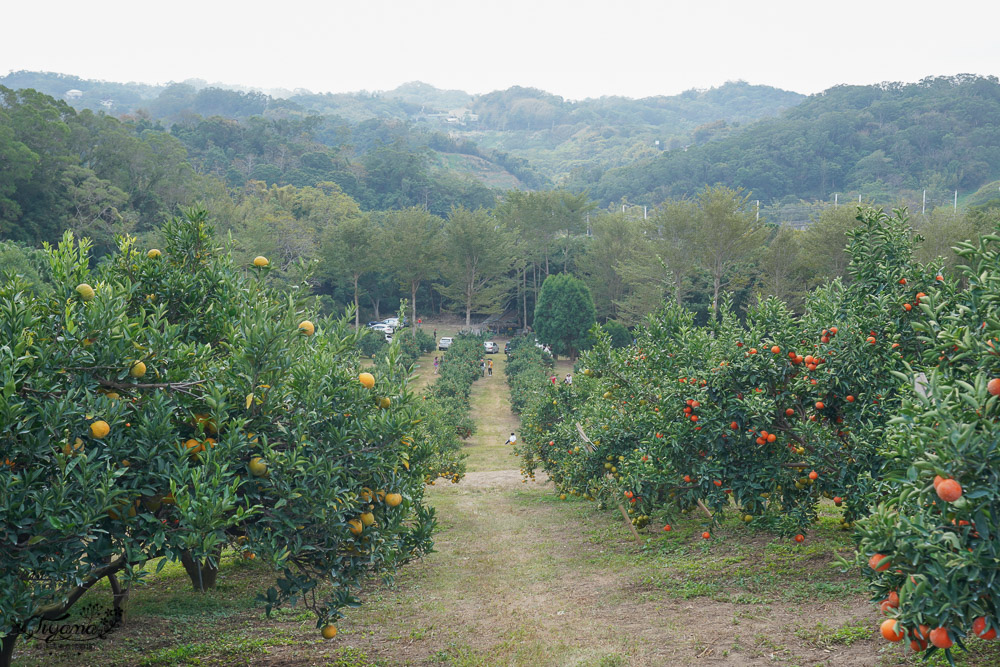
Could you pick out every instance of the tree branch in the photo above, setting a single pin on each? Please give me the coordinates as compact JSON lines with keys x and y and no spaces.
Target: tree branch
{"x":55,"y":610}
{"x":181,"y":387}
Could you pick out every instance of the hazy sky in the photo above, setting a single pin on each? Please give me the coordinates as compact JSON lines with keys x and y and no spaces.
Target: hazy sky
{"x":585,"y":48}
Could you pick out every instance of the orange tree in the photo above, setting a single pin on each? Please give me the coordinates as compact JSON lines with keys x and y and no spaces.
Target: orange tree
{"x":930,"y":549}
{"x":169,"y":403}
{"x":764,"y":416}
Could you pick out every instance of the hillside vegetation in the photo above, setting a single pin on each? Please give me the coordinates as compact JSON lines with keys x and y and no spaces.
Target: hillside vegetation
{"x":941,"y":134}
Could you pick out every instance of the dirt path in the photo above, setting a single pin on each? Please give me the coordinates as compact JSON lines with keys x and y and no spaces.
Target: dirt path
{"x":521,"y":578}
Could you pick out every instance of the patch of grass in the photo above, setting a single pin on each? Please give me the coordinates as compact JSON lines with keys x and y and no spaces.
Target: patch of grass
{"x":823,"y":635}
{"x":349,"y":657}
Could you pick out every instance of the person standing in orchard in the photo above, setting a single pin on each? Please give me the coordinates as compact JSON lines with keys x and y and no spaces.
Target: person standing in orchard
{"x":489,"y":368}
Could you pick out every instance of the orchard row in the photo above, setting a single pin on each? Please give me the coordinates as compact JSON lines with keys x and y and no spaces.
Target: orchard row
{"x":168,"y":404}
{"x":880,"y":397}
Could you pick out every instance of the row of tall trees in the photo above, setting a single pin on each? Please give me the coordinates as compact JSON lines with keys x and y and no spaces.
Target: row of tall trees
{"x":481,"y":262}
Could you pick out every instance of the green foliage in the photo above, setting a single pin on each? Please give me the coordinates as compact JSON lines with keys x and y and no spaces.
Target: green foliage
{"x":617,"y":333}
{"x":828,"y":143}
{"x":242,"y":430}
{"x":942,"y":552}
{"x":713,"y":416}
{"x":528,"y":371}
{"x":564,"y":314}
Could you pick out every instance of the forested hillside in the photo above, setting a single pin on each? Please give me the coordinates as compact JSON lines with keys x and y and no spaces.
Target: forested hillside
{"x":509,"y":128}
{"x":941,"y":134}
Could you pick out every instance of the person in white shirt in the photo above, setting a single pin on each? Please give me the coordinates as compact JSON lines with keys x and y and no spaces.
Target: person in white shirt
{"x":511,"y":440}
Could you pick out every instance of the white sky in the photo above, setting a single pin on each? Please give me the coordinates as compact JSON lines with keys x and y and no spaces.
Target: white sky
{"x":585,"y":48}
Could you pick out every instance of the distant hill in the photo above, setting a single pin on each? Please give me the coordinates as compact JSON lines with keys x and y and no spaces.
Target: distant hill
{"x":941,"y":134}
{"x":557,"y":137}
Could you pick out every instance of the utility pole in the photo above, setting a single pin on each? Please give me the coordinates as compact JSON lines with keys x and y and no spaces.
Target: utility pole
{"x":923,"y":209}
{"x":956,"y":201}
{"x":758,"y":210}
{"x":836,"y":196}
{"x":645,"y":216}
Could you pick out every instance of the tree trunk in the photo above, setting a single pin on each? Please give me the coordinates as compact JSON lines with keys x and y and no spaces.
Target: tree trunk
{"x":202,"y":574}
{"x":716,"y":286}
{"x":413,"y":306}
{"x":7,"y":650}
{"x":524,"y":295}
{"x":357,"y":310}
{"x":119,"y":596}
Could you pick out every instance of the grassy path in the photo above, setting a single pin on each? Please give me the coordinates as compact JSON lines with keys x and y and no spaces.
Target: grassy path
{"x":521,"y":578}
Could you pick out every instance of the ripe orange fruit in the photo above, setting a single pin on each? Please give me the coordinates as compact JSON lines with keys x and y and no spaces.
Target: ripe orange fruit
{"x":99,"y":429}
{"x":355,"y":526}
{"x":718,"y":482}
{"x":367,"y":380}
{"x":753,"y":350}
{"x":902,"y":281}
{"x":874,"y":561}
{"x":833,"y":331}
{"x":137,"y":370}
{"x":979,"y":629}
{"x":893,"y":599}
{"x":687,"y":478}
{"x":775,"y":350}
{"x":993,"y":386}
{"x":907,"y":307}
{"x":307,"y":328}
{"x":949,"y":490}
{"x":789,"y":412}
{"x":260,"y":261}
{"x":819,"y":405}
{"x":889,"y":630}
{"x":849,"y":399}
{"x":838,"y":501}
{"x":734,"y":426}
{"x":937,"y":481}
{"x":800,"y":538}
{"x":940,"y":638}
{"x":329,"y":631}
{"x":667,"y":528}
{"x":706,"y":535}
{"x":814,"y":475}
{"x":154,"y":253}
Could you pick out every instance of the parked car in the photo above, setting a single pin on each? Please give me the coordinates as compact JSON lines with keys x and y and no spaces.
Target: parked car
{"x":382,"y":327}
{"x":491,"y":347}
{"x":394,"y":322}
{"x":444,"y":343}
{"x":506,"y":348}
{"x":373,"y":323}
